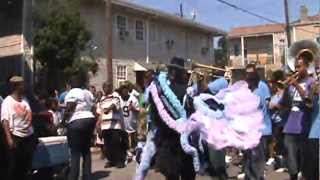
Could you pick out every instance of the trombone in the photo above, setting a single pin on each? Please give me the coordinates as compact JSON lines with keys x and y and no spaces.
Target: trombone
{"x":199,"y":75}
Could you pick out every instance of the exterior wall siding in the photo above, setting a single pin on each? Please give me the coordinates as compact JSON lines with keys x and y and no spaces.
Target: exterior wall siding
{"x":187,"y":43}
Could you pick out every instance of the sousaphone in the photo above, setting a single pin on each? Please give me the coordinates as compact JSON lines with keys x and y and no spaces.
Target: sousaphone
{"x":308,"y":49}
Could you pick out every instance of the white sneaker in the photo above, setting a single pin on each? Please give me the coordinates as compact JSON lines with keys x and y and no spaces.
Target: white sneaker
{"x":228,"y":159}
{"x":241,"y":176}
{"x":270,"y":161}
{"x":281,"y":170}
{"x":299,"y":175}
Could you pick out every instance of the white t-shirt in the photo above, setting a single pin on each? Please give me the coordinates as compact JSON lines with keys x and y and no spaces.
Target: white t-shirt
{"x":56,"y":116}
{"x":84,"y":102}
{"x":130,"y":117}
{"x":113,"y":119}
{"x":19,"y":116}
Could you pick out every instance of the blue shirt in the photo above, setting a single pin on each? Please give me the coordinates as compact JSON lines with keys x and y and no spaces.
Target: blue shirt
{"x":263,"y":92}
{"x":62,"y":96}
{"x":315,"y":128}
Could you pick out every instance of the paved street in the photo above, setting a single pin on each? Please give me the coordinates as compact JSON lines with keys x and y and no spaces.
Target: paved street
{"x":100,"y":173}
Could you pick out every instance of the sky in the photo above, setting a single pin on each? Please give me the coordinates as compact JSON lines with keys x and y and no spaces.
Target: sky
{"x":214,"y":13}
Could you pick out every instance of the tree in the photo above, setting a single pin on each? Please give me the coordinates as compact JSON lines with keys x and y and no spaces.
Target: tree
{"x":60,"y":37}
{"x":221,"y":53}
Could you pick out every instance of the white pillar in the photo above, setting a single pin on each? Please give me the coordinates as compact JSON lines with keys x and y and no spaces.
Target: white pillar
{"x":294,"y":33}
{"x":147,"y":41}
{"x":211,"y":50}
{"x":242,"y":50}
{"x":274,"y":48}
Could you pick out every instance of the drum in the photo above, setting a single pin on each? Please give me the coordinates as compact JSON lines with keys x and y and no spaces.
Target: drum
{"x":51,"y":152}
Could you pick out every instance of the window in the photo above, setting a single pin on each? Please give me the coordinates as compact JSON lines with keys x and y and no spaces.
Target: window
{"x":121,"y":74}
{"x":121,"y":23}
{"x":139,"y":30}
{"x":236,"y":50}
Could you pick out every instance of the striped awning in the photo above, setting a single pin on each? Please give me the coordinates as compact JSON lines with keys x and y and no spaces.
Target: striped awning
{"x":10,"y":45}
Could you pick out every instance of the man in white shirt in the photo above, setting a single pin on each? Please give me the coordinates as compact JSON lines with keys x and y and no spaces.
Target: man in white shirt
{"x":111,"y":127}
{"x":16,"y":118}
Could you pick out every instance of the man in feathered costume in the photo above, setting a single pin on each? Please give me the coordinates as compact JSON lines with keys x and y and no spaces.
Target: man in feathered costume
{"x":170,"y":158}
{"x":230,"y":118}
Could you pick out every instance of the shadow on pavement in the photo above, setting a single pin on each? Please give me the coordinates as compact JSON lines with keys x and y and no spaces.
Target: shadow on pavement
{"x":100,"y":175}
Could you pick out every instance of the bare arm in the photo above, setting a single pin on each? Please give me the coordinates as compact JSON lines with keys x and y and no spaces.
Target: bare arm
{"x":10,"y":141}
{"x":71,"y":106}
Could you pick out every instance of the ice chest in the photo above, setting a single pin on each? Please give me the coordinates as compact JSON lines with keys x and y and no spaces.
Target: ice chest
{"x":50,"y":152}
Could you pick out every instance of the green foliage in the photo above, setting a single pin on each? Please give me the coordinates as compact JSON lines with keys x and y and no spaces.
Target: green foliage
{"x":60,"y":36}
{"x":221,"y":54}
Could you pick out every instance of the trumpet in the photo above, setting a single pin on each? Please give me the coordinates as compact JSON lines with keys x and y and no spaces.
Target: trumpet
{"x":286,"y":82}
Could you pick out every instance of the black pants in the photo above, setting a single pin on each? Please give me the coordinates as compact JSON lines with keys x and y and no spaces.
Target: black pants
{"x":295,"y":153}
{"x":303,"y":155}
{"x":79,"y":139}
{"x":4,"y":154}
{"x":20,"y":159}
{"x":218,"y":166}
{"x":310,"y":170}
{"x":254,"y":161}
{"x":116,"y":145}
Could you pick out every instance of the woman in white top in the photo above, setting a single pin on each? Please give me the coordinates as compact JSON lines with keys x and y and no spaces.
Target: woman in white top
{"x":16,"y":118}
{"x":80,"y":122}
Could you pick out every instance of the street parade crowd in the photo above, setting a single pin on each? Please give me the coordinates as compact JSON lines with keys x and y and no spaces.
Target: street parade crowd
{"x":177,"y":127}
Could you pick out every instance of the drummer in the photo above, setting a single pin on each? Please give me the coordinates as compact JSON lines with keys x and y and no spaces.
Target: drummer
{"x":16,"y":119}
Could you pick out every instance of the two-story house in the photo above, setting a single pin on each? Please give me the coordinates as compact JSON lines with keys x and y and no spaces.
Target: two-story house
{"x":307,"y":27}
{"x":15,"y":39}
{"x":143,"y":37}
{"x":261,"y":44}
{"x":266,"y":44}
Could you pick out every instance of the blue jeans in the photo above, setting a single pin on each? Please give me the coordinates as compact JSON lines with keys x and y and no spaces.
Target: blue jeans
{"x":255,"y":161}
{"x":79,"y":139}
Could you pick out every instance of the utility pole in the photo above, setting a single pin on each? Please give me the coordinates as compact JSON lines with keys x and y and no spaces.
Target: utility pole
{"x":109,"y":40}
{"x":181,"y":9}
{"x":286,"y":11}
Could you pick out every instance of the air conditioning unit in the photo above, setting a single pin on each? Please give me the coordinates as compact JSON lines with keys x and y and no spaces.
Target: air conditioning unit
{"x":169,"y":43}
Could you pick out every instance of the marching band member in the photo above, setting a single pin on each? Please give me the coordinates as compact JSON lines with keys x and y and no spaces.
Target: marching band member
{"x":298,"y":124}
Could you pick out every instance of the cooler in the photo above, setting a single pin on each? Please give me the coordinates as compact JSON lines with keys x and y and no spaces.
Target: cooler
{"x":50,"y":152}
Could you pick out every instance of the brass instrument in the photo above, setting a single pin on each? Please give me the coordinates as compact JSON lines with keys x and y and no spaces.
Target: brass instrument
{"x":308,"y":49}
{"x":202,"y":73}
{"x":198,"y":65}
{"x":287,"y":81}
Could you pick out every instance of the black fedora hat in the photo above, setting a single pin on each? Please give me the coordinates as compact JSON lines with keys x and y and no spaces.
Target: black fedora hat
{"x":176,"y":62}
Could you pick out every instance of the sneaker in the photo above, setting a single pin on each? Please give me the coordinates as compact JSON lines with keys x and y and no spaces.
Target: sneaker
{"x":299,"y":175}
{"x":241,"y":176}
{"x":270,"y":161}
{"x":228,"y":159}
{"x":281,"y":170}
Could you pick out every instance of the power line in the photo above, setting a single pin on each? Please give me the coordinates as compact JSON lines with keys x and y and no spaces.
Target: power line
{"x":257,"y":15}
{"x":247,"y":11}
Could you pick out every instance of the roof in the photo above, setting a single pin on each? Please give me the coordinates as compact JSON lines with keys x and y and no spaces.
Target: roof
{"x":154,"y":13}
{"x":308,"y":19}
{"x":10,"y":45}
{"x":256,"y":30}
